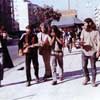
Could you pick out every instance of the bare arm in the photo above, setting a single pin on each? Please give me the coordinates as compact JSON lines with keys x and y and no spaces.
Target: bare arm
{"x":82,"y":39}
{"x":60,"y":40}
{"x":52,"y":41}
{"x":5,"y":35}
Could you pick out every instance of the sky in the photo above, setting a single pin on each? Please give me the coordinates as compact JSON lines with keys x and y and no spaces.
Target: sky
{"x":85,"y":8}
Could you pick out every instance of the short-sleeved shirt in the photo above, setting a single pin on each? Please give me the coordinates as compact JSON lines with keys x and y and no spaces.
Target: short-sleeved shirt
{"x":43,"y":37}
{"x":92,"y":39}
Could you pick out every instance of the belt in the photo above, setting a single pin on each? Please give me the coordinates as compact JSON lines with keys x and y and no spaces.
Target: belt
{"x":60,"y":53}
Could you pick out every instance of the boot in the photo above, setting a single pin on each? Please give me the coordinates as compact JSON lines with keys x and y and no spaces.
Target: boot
{"x":93,"y":83}
{"x":54,"y":83}
{"x":86,"y":81}
{"x":28,"y":83}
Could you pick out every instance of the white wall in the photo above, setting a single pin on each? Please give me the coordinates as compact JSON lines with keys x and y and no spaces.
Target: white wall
{"x":21,"y":13}
{"x":97,"y":16}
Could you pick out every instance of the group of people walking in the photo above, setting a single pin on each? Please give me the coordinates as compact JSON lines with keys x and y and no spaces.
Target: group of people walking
{"x":50,"y":47}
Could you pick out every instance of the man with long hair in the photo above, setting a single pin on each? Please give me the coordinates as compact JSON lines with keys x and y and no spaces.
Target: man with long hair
{"x":27,"y":44}
{"x":90,"y":39}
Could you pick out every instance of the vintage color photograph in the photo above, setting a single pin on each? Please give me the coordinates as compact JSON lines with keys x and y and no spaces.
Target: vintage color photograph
{"x":49,"y":49}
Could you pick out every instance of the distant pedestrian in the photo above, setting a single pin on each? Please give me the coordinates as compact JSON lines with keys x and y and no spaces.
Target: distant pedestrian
{"x":45,"y":50}
{"x":7,"y":61}
{"x":69,"y":39}
{"x":28,"y":47}
{"x":56,"y":53}
{"x":90,"y":39}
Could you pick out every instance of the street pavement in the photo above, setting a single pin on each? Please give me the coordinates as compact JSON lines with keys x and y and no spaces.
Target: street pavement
{"x":71,"y":88}
{"x":13,"y":51}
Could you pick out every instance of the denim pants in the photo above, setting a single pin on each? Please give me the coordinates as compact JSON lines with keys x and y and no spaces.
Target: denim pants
{"x":54,"y":60}
{"x":93,"y":65}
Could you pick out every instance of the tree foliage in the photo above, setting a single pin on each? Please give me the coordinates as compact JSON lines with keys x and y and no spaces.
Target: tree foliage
{"x":46,"y":14}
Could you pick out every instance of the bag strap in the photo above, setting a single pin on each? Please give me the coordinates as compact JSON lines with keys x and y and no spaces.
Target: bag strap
{"x":41,"y":36}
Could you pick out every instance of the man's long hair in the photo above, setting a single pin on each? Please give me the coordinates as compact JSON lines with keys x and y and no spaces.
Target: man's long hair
{"x":91,"y":25}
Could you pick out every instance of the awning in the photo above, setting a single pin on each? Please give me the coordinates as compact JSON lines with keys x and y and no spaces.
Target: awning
{"x":67,"y":22}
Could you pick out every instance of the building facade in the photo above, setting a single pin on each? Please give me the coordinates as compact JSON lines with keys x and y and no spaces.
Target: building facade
{"x":6,"y":14}
{"x":69,"y":13}
{"x":23,"y":13}
{"x":97,"y":16}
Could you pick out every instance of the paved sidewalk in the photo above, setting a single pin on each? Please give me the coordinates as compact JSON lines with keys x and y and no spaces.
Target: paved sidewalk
{"x":71,"y":88}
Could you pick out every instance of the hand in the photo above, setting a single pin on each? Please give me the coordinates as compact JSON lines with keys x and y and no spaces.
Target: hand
{"x":34,"y":45}
{"x":87,"y":47}
{"x":53,"y":34}
{"x":41,"y":44}
{"x":81,"y":43}
{"x":31,"y":46}
{"x":26,"y":45}
{"x":97,"y":54}
{"x":4,"y":34}
{"x":25,"y":50}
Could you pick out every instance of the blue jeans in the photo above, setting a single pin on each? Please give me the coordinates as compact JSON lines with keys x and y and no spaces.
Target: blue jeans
{"x":93,"y":65}
{"x":54,"y":60}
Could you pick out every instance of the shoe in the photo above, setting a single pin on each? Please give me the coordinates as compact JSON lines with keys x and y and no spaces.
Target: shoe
{"x":61,"y":78}
{"x":46,"y":76}
{"x":22,"y":68}
{"x":54,"y":83}
{"x":44,"y":79}
{"x":37,"y":81}
{"x":28,"y":83}
{"x":94,"y":84}
{"x":86,"y":81}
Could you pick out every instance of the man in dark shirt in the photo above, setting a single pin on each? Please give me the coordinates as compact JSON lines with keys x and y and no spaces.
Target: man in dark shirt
{"x":27,"y":44}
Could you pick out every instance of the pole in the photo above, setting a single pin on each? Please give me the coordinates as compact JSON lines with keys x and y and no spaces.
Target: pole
{"x":68,"y":4}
